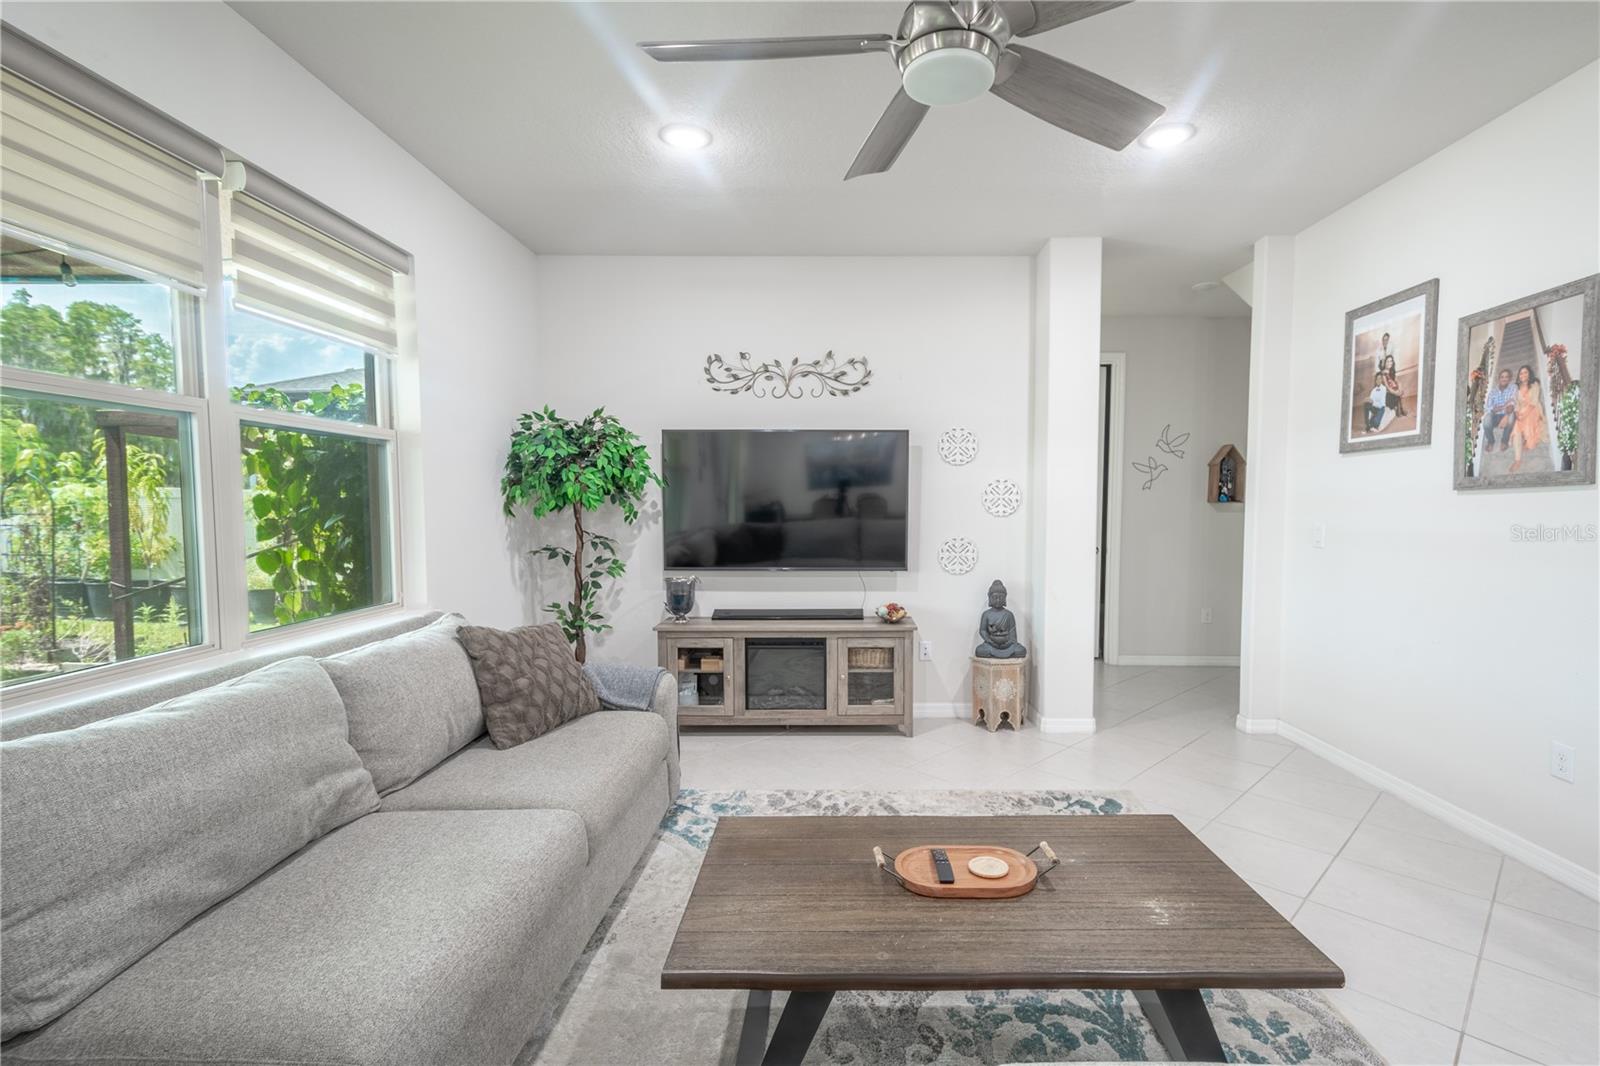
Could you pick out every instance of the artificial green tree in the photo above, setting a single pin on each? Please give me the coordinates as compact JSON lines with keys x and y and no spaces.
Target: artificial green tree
{"x":584,"y":464}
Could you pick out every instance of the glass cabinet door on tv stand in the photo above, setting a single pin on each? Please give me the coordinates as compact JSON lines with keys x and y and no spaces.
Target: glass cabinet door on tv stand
{"x":870,"y":681}
{"x":704,"y":669}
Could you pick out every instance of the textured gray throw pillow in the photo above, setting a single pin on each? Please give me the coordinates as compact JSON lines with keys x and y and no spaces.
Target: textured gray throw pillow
{"x":527,"y":679}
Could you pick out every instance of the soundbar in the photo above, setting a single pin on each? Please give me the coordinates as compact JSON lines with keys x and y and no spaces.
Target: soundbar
{"x":787,"y":614}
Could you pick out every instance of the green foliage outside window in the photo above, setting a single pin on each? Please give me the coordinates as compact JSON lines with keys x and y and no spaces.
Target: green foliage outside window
{"x":96,"y":341}
{"x":310,"y":496}
{"x":54,"y":517}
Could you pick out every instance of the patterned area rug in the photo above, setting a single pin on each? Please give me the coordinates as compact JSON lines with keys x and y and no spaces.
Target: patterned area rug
{"x":612,"y":1009}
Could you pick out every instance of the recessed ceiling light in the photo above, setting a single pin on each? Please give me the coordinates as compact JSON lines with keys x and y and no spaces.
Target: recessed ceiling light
{"x":681,"y":135}
{"x":1166,"y":135}
{"x":1205,"y":286}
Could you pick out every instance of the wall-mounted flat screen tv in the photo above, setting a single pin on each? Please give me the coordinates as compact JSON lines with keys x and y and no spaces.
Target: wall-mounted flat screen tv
{"x":785,"y":499}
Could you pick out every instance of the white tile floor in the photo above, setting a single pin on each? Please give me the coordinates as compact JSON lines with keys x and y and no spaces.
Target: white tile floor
{"x":1452,"y":951}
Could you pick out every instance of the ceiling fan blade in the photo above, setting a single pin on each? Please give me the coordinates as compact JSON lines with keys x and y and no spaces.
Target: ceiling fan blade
{"x":888,"y":138}
{"x":1077,"y":100}
{"x":765,"y":48}
{"x":1052,"y":13}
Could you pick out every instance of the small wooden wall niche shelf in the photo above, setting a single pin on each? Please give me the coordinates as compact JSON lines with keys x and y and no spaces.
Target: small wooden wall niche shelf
{"x":1225,"y":483}
{"x":915,"y":871}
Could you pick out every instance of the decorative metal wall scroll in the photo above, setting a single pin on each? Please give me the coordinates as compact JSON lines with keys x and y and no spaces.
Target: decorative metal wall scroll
{"x":1002,"y":497}
{"x":958,"y":555}
{"x":958,"y":446}
{"x":820,"y":377}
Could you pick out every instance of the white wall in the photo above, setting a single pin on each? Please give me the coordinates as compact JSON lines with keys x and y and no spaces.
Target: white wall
{"x":948,"y":341}
{"x":1063,"y":441}
{"x":475,"y":285}
{"x":1180,"y":554}
{"x":1423,"y":640}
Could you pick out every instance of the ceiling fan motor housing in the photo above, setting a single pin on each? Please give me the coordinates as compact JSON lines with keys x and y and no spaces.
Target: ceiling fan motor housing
{"x":950,"y":51}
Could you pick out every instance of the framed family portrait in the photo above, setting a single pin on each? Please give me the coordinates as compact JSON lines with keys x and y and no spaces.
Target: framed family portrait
{"x":1388,"y":371}
{"x":1525,"y":391}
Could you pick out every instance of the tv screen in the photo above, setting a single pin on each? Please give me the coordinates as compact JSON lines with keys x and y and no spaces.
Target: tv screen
{"x":785,"y":499}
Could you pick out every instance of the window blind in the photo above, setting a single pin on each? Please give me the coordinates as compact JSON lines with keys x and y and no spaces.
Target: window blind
{"x":287,"y":270}
{"x":68,"y":175}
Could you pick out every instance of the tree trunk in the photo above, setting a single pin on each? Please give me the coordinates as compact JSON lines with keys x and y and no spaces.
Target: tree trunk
{"x":579,"y":650}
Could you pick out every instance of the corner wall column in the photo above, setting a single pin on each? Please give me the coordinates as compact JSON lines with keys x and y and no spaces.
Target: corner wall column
{"x":1266,"y":533}
{"x":1061,"y":537}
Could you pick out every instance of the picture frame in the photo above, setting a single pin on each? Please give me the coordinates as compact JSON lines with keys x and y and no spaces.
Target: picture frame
{"x":1397,"y":332}
{"x":1553,"y":336}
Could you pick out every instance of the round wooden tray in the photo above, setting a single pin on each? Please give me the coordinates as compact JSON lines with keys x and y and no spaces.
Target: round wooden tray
{"x":914,"y":869}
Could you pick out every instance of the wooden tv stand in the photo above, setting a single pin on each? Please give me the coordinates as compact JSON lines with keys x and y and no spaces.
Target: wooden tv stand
{"x":805,"y":672}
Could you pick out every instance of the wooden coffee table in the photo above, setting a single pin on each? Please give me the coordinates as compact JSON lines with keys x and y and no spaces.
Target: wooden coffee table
{"x":796,"y":904}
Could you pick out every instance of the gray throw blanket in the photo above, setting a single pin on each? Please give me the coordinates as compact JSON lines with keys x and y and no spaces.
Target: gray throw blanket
{"x":623,"y":684}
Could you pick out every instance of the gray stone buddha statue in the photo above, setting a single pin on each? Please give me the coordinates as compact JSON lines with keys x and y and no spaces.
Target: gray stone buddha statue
{"x":998,"y":629}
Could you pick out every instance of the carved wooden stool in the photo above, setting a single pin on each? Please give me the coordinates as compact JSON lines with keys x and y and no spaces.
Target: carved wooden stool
{"x":999,"y":691}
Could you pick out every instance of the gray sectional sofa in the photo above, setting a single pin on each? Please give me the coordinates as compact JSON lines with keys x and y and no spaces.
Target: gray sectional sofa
{"x":315,"y":860}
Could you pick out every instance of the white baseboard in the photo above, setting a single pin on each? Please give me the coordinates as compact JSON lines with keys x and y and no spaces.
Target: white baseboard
{"x":941,"y":710}
{"x":1065,"y":725}
{"x":1176,"y":660}
{"x":1518,"y":847}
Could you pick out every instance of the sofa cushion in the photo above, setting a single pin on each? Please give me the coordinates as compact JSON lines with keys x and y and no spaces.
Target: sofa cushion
{"x":411,"y":700}
{"x":596,"y":766}
{"x":118,"y":832}
{"x":528,"y":681}
{"x":402,"y":938}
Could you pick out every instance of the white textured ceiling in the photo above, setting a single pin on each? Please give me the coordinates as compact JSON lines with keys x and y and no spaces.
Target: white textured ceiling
{"x":545,"y":117}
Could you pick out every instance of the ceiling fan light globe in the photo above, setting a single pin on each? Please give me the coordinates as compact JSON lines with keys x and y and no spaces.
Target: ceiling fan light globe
{"x":948,"y":76}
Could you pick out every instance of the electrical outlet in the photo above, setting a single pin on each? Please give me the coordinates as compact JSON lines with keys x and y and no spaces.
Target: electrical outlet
{"x":1561,"y":756}
{"x":1205,"y":616}
{"x":925,"y":651}
{"x":1319,"y":536}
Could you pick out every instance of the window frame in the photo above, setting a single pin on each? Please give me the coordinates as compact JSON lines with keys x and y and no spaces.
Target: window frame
{"x":216,"y":519}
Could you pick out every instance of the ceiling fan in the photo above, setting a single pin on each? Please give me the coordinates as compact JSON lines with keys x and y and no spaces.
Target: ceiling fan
{"x":950,"y":51}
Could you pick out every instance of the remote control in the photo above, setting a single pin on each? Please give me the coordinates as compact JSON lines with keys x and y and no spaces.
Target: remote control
{"x":941,"y":866}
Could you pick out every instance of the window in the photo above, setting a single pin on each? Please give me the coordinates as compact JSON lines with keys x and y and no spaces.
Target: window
{"x":118,"y":418}
{"x":67,"y":315}
{"x":276,"y":366}
{"x":316,"y":498}
{"x":317,"y":504}
{"x":306,"y":317}
{"x":95,"y":548}
{"x":96,"y":493}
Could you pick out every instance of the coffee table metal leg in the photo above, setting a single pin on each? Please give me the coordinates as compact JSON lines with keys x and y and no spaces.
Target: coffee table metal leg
{"x":753,"y":1035}
{"x":1181,"y":1021}
{"x":798,"y":1023}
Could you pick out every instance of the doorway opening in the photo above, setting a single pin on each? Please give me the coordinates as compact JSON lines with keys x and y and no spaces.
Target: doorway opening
{"x":1108,"y":501}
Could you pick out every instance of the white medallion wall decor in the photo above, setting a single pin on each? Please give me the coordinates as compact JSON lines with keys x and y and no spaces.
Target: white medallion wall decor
{"x":958,"y":555}
{"x":958,"y":446}
{"x":1002,"y":497}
